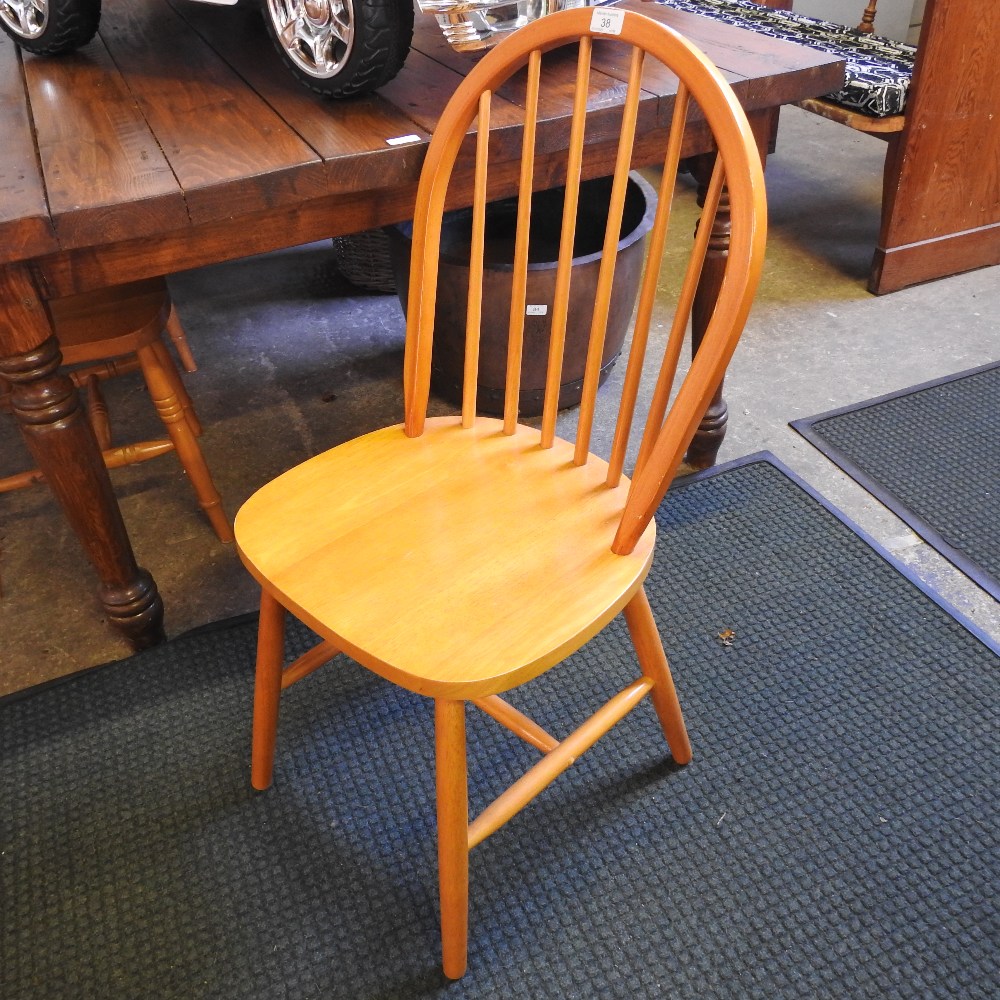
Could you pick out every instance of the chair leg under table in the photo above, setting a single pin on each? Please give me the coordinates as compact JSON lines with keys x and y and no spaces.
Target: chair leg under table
{"x":179,"y":339}
{"x":171,"y":412}
{"x":179,"y":388}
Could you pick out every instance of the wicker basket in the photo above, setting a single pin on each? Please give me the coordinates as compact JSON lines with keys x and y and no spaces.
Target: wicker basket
{"x":363,"y":258}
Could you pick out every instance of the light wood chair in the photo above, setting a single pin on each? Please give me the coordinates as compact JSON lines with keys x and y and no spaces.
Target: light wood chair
{"x":117,"y":330}
{"x":461,"y":556}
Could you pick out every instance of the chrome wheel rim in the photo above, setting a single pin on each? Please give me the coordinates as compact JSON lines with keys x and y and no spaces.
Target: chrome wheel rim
{"x":26,"y":18}
{"x":317,"y":35}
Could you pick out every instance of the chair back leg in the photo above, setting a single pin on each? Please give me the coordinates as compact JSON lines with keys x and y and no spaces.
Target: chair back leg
{"x":179,"y":339}
{"x":180,"y":389}
{"x":162,"y":390}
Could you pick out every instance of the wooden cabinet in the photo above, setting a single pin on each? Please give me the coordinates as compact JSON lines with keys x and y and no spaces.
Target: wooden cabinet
{"x":941,"y":194}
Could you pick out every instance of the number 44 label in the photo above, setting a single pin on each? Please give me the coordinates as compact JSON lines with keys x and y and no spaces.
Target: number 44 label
{"x":607,"y":22}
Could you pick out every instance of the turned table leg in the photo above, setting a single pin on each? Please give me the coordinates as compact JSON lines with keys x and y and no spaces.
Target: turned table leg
{"x":59,"y":436}
{"x":712,"y":430}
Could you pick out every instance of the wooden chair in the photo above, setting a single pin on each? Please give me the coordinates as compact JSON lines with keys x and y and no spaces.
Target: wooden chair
{"x":462,"y":556}
{"x":118,"y":330}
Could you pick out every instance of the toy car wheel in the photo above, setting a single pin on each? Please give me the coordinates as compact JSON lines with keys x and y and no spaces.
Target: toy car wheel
{"x":50,"y":26}
{"x":341,"y":48}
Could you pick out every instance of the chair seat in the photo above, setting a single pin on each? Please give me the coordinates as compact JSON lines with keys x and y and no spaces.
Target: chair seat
{"x":489,"y":568}
{"x":110,"y":321}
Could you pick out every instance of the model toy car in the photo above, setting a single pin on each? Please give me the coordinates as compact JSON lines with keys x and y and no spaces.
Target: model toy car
{"x":339,"y":48}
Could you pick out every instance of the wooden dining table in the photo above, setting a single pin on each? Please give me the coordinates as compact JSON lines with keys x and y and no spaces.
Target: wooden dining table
{"x":176,"y":139}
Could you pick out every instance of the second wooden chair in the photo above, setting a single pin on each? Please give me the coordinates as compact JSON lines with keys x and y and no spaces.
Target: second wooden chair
{"x":117,"y":330}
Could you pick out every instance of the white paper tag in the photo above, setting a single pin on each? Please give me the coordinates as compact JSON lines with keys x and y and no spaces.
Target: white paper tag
{"x":400,"y":139}
{"x":607,"y":22}
{"x":536,"y":310}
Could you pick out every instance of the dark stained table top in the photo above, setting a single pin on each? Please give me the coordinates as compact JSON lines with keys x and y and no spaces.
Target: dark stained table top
{"x":176,"y":138}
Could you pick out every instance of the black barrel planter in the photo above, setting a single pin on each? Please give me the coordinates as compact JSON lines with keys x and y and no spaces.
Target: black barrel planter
{"x":546,"y":221}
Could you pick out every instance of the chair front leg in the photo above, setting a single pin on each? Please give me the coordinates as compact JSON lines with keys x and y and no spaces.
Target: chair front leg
{"x":453,"y":833}
{"x":267,"y":689}
{"x":648,"y":647}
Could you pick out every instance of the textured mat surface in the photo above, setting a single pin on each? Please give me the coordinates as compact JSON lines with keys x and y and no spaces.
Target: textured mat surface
{"x":932,"y":455}
{"x":834,"y":836}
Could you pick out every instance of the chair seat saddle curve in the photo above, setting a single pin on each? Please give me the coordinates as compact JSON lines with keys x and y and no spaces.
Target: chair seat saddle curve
{"x":461,"y":556}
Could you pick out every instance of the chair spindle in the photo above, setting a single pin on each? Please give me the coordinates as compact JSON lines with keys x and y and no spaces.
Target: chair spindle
{"x":560,"y":299}
{"x":609,"y":256}
{"x":474,"y":310}
{"x":685,"y":301}
{"x":867,"y":25}
{"x":518,"y":298}
{"x":647,"y":293}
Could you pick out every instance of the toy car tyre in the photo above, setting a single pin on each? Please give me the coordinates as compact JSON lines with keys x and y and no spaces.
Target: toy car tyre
{"x":49,"y":27}
{"x":341,"y":48}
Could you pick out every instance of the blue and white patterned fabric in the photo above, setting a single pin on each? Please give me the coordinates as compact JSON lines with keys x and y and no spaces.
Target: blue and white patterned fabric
{"x":879,"y":69}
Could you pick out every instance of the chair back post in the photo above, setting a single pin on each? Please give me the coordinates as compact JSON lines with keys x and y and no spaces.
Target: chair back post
{"x":609,"y":257}
{"x":567,"y":240}
{"x":867,"y":25}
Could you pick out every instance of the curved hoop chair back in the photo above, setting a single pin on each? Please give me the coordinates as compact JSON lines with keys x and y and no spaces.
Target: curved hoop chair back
{"x":460,"y":557}
{"x":702,"y":95}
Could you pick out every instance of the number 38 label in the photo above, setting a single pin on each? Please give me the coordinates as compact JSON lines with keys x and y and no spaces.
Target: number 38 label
{"x":607,"y":22}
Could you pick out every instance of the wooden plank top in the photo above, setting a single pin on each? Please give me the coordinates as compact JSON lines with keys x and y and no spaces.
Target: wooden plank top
{"x":177,"y":138}
{"x":102,"y":168}
{"x":25,"y":226}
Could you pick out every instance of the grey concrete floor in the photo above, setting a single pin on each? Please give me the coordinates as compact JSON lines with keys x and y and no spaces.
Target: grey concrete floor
{"x":293,"y":360}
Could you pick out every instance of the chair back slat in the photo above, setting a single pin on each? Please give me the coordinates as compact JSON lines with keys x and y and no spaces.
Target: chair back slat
{"x":647,"y":292}
{"x":519,"y":286}
{"x":702,"y":95}
{"x":474,"y":307}
{"x":609,"y":257}
{"x":421,"y":300}
{"x":567,"y":239}
{"x":413,"y":406}
{"x":432,"y":190}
